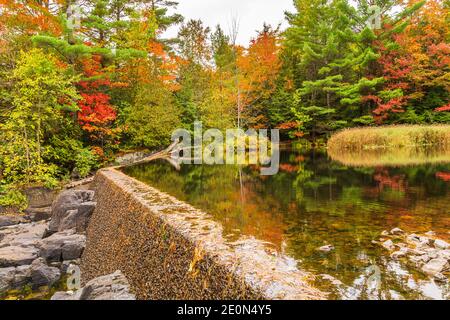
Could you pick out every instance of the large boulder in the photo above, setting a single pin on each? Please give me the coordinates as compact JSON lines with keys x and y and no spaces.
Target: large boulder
{"x":43,"y":275}
{"x":72,"y":209}
{"x":110,"y":287}
{"x":64,"y":245}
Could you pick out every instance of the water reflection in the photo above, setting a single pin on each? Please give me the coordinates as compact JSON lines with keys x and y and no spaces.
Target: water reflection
{"x":314,"y":201}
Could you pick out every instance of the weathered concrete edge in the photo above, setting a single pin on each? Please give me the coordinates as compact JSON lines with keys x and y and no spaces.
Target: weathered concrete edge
{"x":252,"y":272}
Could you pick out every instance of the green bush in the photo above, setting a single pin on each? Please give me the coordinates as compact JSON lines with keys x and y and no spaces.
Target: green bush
{"x":12,"y":198}
{"x":85,"y":162}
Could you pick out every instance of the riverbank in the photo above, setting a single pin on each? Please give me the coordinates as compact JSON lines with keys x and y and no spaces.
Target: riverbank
{"x":387,"y":137}
{"x":41,"y":249}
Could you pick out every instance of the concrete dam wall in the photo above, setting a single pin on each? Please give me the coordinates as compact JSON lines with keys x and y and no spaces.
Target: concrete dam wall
{"x":167,"y":249}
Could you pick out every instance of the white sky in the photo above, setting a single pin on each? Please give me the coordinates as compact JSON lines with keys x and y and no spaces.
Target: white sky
{"x":250,"y":13}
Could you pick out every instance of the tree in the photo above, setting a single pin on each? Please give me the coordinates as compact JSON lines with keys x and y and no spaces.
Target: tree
{"x":42,"y":93}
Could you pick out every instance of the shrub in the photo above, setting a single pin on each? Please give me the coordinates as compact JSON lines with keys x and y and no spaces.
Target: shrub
{"x":85,"y":162}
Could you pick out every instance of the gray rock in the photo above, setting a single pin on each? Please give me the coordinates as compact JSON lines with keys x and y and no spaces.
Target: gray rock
{"x":6,"y":278}
{"x":39,"y":214}
{"x":445,"y":254}
{"x":441,"y":244}
{"x":16,"y":256}
{"x":66,"y":264}
{"x":10,"y":220}
{"x":39,"y":197}
{"x":65,"y":245}
{"x":420,"y":260}
{"x":435,"y":266}
{"x":43,"y":275}
{"x":66,"y":295}
{"x":22,"y":276}
{"x":72,"y":209}
{"x":23,"y":235}
{"x":399,"y":254}
{"x":397,"y":231}
{"x":389,"y":245}
{"x":439,"y":277}
{"x":326,"y":248}
{"x":110,"y":287}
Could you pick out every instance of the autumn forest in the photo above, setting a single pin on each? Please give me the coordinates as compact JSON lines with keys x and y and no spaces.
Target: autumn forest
{"x":79,"y":84}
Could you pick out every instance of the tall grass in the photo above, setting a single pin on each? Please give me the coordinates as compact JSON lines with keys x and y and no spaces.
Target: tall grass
{"x":370,"y":138}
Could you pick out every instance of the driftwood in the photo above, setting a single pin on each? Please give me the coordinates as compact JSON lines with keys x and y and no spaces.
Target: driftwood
{"x":170,"y":154}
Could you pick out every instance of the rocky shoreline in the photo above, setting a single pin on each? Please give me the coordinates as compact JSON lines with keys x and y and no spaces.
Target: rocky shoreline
{"x":38,"y":248}
{"x":426,"y":253}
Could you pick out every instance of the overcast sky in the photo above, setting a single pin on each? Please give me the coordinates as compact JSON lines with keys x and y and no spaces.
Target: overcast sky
{"x":250,"y":13}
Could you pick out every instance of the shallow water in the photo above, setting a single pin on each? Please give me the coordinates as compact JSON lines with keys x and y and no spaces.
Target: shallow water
{"x":314,"y":201}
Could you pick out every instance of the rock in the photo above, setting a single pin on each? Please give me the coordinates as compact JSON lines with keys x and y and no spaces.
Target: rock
{"x":430,"y":233}
{"x":332,"y":279}
{"x":420,"y":260}
{"x":43,"y":275}
{"x":385,"y":233}
{"x":65,"y":245}
{"x":326,"y":248}
{"x":439,"y":277}
{"x":6,"y":278}
{"x":22,"y":276}
{"x":72,"y":209}
{"x":17,"y":256}
{"x":441,"y":244}
{"x":420,"y":242}
{"x":399,"y":254}
{"x":110,"y":287}
{"x":22,"y":235}
{"x":397,"y":231}
{"x":435,"y":266}
{"x":66,"y":295}
{"x":445,"y":254}
{"x":10,"y":220}
{"x":389,"y":245}
{"x":39,"y":214}
{"x":66,"y":264}
{"x":40,"y":197}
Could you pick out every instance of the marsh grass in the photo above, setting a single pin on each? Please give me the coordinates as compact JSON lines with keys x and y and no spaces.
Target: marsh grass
{"x":389,"y":137}
{"x":398,"y":157}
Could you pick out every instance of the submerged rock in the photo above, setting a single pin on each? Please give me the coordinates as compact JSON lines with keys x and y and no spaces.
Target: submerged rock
{"x":397,"y":231}
{"x":435,"y":266}
{"x":441,"y":244}
{"x":389,"y":245}
{"x":326,"y":248}
{"x":400,"y":253}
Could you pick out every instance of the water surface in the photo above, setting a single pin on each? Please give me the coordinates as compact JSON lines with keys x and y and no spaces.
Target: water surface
{"x":314,"y":201}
